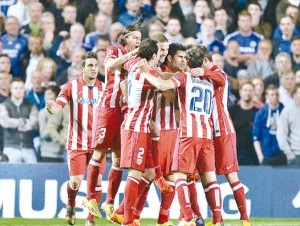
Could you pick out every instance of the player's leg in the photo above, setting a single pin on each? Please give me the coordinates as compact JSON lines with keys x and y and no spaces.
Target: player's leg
{"x":77,"y":168}
{"x":94,"y":190}
{"x":165,"y":204}
{"x":211,"y":187}
{"x":114,"y":180}
{"x":239,"y":194}
{"x":144,"y":186}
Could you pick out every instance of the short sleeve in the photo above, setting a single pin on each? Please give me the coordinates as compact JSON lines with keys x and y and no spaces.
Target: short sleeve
{"x":65,"y":95}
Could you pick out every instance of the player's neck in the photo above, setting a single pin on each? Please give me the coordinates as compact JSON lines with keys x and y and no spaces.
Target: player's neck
{"x":89,"y":81}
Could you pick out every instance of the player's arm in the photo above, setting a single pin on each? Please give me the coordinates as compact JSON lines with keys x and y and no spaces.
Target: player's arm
{"x":124,"y":89}
{"x":166,"y":75}
{"x":158,"y":82}
{"x":218,"y":78}
{"x":116,"y":63}
{"x":53,"y":107}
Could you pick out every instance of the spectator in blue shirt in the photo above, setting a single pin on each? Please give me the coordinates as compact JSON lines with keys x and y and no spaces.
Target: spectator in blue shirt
{"x":265,"y":128}
{"x":247,"y":39}
{"x":14,"y":44}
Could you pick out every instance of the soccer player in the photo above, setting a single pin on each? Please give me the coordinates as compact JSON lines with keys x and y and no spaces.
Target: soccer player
{"x":224,"y":135}
{"x":106,"y":129}
{"x":135,"y":132}
{"x":166,"y":120}
{"x":82,"y":95}
{"x":194,"y":144}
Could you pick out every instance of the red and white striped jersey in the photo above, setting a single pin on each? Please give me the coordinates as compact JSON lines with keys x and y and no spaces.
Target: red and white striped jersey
{"x":164,"y":116}
{"x":223,"y":124}
{"x":164,"y":113}
{"x":195,"y":95}
{"x":83,"y":101}
{"x":141,"y":100}
{"x":112,"y":92}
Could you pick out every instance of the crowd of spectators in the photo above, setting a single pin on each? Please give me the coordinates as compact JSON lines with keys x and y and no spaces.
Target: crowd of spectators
{"x":256,"y":42}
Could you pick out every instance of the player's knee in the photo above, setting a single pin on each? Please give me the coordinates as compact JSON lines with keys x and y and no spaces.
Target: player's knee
{"x":149,"y":174}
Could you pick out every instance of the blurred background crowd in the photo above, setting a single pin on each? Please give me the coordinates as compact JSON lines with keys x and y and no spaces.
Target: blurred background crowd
{"x":257,"y":43}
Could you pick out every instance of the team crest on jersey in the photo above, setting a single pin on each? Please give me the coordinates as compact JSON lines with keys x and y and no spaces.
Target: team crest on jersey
{"x":109,"y":52}
{"x":253,"y":44}
{"x":18,"y":46}
{"x":216,"y":49}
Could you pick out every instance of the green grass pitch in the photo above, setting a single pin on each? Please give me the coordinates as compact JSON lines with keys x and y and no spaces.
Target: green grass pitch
{"x":144,"y":222}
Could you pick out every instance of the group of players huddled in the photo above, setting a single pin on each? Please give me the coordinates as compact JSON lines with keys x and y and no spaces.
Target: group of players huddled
{"x":163,"y":114}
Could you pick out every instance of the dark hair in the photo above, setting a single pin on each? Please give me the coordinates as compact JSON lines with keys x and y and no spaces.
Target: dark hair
{"x":148,"y":48}
{"x":4,"y":55}
{"x":295,"y":37}
{"x":254,"y":2}
{"x":88,"y":55}
{"x":54,"y":89}
{"x":17,"y":80}
{"x":174,"y":48}
{"x":271,"y":87}
{"x":196,"y":54}
{"x":126,"y":33}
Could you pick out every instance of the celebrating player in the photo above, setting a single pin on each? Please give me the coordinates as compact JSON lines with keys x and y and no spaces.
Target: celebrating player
{"x":194,"y":145}
{"x":106,"y":134}
{"x":82,"y":95}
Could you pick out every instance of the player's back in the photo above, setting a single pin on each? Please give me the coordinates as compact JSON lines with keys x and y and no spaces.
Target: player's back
{"x":140,"y":102}
{"x":195,"y":103}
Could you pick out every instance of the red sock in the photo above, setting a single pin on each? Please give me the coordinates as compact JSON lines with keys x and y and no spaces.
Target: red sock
{"x":194,"y":198}
{"x":130,"y":196}
{"x":92,"y":178}
{"x":165,"y":204}
{"x":155,"y":154}
{"x":144,"y":187}
{"x":114,"y":180}
{"x":184,"y":199}
{"x":120,"y":209}
{"x":181,"y":217}
{"x":214,"y":200}
{"x":90,"y":217}
{"x":71,"y":195}
{"x":239,"y":196}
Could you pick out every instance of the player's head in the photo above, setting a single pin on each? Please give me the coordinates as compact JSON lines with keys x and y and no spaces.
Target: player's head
{"x":89,"y":65}
{"x":148,"y":50}
{"x":131,"y":37}
{"x":176,"y":59}
{"x":198,"y":56}
{"x":163,"y":45}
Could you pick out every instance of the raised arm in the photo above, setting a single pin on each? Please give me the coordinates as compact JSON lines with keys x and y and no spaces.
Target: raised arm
{"x":215,"y":74}
{"x":116,"y":63}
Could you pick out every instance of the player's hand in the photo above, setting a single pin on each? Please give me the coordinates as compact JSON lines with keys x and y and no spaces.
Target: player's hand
{"x":197,"y":72}
{"x":135,"y":52}
{"x":143,"y":65}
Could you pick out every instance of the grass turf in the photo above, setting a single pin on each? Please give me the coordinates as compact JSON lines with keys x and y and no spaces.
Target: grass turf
{"x":145,"y":222}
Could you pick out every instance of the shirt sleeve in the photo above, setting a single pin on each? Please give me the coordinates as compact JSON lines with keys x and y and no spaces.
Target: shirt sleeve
{"x":179,"y":79}
{"x":258,"y":124}
{"x":283,"y":131}
{"x":65,"y":95}
{"x":111,"y":53}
